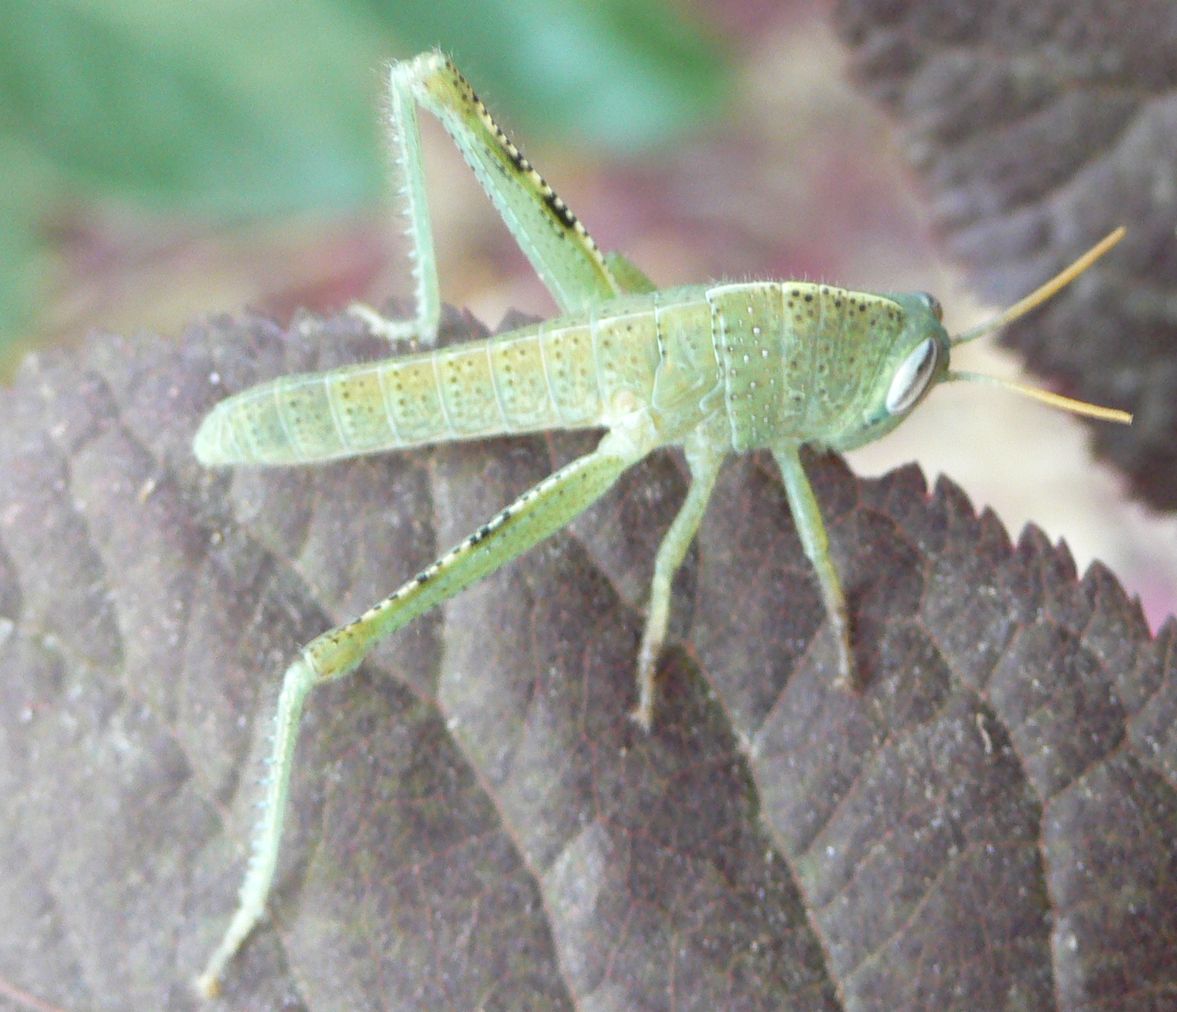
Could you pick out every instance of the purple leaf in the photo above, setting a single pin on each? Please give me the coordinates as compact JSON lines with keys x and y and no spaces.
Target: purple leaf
{"x":475,"y":822}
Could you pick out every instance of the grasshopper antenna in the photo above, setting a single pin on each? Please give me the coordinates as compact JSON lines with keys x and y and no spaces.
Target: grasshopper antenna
{"x":1023,"y":306}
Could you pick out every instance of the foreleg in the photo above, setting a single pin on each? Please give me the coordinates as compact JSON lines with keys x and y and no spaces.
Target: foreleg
{"x":812,"y":531}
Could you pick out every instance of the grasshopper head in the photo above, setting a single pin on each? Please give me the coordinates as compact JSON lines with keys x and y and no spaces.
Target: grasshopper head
{"x":919,"y":359}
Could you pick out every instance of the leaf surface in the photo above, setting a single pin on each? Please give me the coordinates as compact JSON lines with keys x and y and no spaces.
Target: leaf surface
{"x":475,"y":822}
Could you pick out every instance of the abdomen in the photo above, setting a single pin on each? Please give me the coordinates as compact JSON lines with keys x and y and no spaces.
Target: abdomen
{"x":561,"y":374}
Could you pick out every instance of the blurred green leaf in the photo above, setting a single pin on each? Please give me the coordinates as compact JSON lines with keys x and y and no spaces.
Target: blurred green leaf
{"x":21,"y":256}
{"x":218,"y":107}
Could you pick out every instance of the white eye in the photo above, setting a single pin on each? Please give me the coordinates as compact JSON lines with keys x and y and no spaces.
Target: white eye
{"x":911,"y":378}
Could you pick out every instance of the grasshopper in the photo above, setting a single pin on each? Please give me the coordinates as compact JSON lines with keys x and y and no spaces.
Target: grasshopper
{"x":716,"y":369}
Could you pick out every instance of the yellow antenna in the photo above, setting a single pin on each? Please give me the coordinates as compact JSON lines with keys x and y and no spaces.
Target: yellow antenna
{"x":1023,"y":306}
{"x":1047,"y":397}
{"x":1044,"y":292}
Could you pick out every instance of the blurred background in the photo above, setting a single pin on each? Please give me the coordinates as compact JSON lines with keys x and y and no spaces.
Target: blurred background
{"x":166,"y":162}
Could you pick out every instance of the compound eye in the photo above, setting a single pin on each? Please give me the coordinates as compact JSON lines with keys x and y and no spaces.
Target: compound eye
{"x":933,"y":305}
{"x":912,"y":377}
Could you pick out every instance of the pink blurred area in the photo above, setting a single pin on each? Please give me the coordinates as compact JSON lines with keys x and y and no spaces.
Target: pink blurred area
{"x":800,"y":177}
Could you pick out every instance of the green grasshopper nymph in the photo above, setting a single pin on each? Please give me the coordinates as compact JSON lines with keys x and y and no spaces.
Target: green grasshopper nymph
{"x":716,"y":369}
